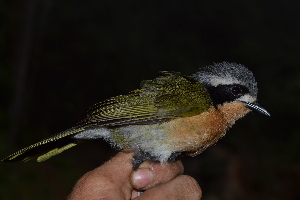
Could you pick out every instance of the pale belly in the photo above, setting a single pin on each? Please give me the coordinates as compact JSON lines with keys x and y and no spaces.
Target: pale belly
{"x":186,"y":134}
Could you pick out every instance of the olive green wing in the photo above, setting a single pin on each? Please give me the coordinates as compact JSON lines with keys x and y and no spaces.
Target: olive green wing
{"x":169,"y":96}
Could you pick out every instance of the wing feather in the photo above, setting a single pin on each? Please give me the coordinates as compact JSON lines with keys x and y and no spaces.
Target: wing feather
{"x":166,"y":97}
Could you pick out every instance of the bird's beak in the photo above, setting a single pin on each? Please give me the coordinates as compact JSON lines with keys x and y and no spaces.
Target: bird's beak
{"x":257,"y":108}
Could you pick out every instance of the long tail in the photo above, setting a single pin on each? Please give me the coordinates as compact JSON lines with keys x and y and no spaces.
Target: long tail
{"x":48,"y":147}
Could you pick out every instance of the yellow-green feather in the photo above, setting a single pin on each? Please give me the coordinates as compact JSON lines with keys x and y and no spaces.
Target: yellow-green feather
{"x":54,"y":152}
{"x":166,"y":97}
{"x":45,"y":141}
{"x":169,"y":96}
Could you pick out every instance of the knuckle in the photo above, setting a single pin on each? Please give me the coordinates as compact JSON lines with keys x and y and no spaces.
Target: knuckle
{"x":193,"y":190}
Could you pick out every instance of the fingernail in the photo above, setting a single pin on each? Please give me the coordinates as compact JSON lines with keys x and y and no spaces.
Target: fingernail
{"x":142,"y":177}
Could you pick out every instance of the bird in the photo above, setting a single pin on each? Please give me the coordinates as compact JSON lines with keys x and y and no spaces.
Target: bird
{"x":169,"y":116}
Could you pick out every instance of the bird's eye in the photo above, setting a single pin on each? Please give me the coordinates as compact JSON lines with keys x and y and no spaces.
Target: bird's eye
{"x":236,"y":90}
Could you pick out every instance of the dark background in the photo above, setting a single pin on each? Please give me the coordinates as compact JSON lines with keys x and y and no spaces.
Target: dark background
{"x":60,"y":57}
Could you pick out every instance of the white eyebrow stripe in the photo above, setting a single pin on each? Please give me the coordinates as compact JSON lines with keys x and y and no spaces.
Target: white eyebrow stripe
{"x":216,"y":80}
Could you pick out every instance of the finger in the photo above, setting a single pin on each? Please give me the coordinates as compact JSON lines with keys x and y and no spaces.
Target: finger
{"x":181,"y":188}
{"x":109,"y":181}
{"x":151,"y":174}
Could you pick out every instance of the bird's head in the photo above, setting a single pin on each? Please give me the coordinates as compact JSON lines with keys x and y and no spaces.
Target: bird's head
{"x":230,"y":82}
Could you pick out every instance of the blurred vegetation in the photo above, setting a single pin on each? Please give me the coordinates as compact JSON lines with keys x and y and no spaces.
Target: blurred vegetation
{"x":60,"y":57}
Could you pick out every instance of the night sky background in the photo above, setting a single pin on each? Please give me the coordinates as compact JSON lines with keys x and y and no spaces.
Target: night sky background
{"x":58,"y":58}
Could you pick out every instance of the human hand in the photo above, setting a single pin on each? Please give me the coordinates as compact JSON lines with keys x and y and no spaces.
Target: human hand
{"x":116,"y":180}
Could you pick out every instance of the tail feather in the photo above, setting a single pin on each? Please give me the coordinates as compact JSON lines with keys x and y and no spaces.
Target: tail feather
{"x":54,"y":152}
{"x":48,"y":147}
